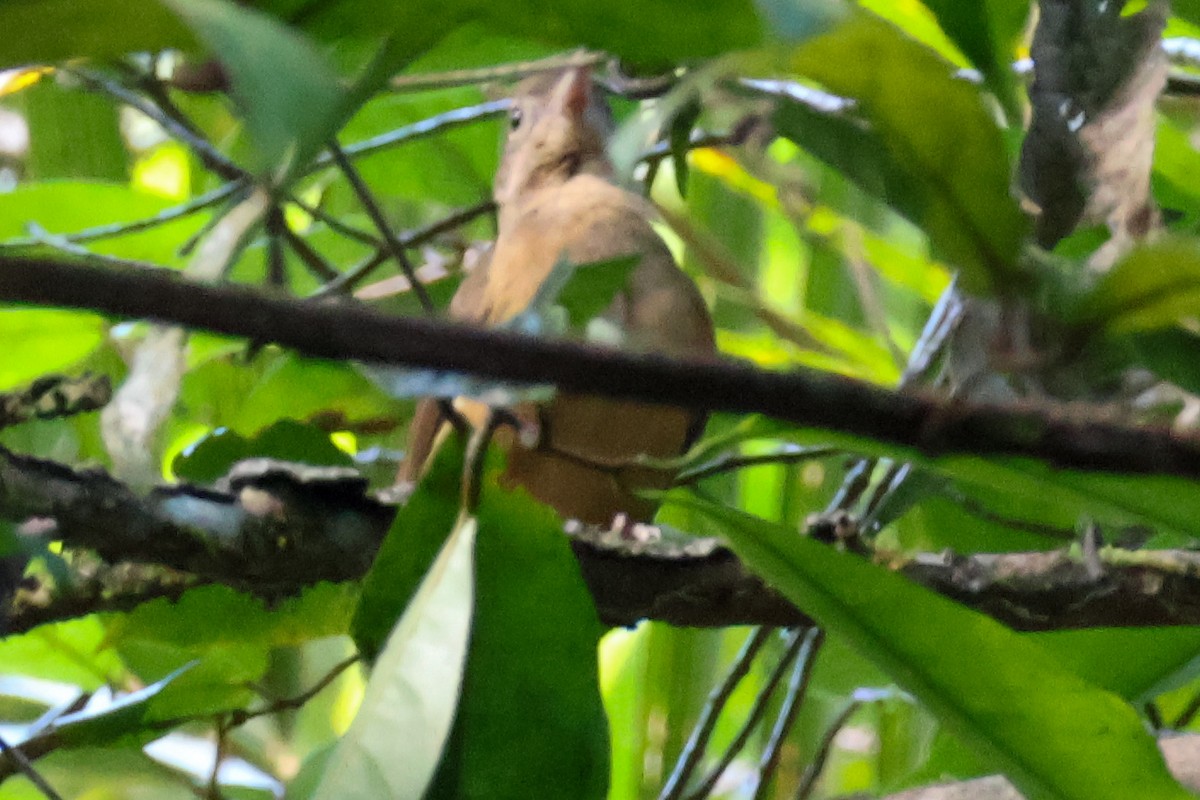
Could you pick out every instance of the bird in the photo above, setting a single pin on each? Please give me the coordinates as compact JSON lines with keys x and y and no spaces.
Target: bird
{"x":557,"y":198}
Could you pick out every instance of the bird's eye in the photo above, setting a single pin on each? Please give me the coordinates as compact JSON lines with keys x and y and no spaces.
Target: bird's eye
{"x":514,"y":119}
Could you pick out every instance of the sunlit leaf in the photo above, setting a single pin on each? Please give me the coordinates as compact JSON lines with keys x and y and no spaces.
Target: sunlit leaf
{"x":37,"y":342}
{"x":948,"y":172}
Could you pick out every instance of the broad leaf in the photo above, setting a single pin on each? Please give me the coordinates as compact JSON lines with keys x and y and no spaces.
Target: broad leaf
{"x":1153,"y":287}
{"x":1052,"y":734}
{"x":393,"y":745}
{"x":987,"y":33}
{"x":56,"y":30}
{"x":948,"y":172}
{"x":290,"y":99}
{"x":415,"y":538}
{"x":530,"y":722}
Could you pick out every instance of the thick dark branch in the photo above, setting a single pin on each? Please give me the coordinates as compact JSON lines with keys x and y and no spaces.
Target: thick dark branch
{"x":277,"y":528}
{"x":1065,"y":436}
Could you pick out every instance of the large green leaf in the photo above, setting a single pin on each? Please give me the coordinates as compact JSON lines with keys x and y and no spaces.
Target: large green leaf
{"x":412,"y":543}
{"x":55,"y":30}
{"x":1153,"y":287}
{"x":64,"y":207}
{"x":948,"y":172}
{"x":228,"y":634}
{"x":290,"y":98}
{"x":987,"y":32}
{"x":652,"y":34}
{"x":1021,"y":489}
{"x":1153,"y":660}
{"x":1050,"y":732}
{"x":393,"y":745}
{"x":287,"y":440}
{"x":530,"y":722}
{"x":40,"y":341}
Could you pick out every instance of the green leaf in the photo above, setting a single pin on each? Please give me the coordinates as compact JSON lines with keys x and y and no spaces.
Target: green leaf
{"x":987,"y":32}
{"x":229,"y":634}
{"x":287,"y":440}
{"x":649,"y":35}
{"x":77,"y":651}
{"x":590,"y":288}
{"x":948,"y":172}
{"x":1052,"y":734}
{"x":393,"y":745}
{"x":1172,"y":354}
{"x":1153,"y":660}
{"x":55,"y":30}
{"x":530,"y":722}
{"x":107,"y":722}
{"x":1153,"y":287}
{"x":64,"y":207}
{"x":412,"y":543}
{"x":38,"y":342}
{"x":290,"y":99}
{"x":680,"y":136}
{"x":1018,"y":488}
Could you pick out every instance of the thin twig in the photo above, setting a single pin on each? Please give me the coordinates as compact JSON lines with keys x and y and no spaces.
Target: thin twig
{"x":812,"y":772}
{"x":336,"y":225}
{"x":214,"y":778}
{"x":64,"y":245}
{"x":394,"y":245}
{"x":25,"y":766}
{"x":795,"y":643}
{"x":788,"y":455}
{"x":418,"y":130}
{"x":978,"y":509}
{"x":1188,"y":714}
{"x":212,"y":158}
{"x":352,"y":277}
{"x":797,"y":690}
{"x":239,"y":717}
{"x":693,"y":750}
{"x":317,"y":266}
{"x":500,"y":72}
{"x":165,"y":216}
{"x":276,"y":259}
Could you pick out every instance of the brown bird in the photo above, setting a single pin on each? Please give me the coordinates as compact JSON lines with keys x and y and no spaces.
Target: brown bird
{"x":557,"y":199}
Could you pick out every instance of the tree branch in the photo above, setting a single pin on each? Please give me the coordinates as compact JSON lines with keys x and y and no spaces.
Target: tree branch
{"x":248,"y":534}
{"x":1065,"y":436}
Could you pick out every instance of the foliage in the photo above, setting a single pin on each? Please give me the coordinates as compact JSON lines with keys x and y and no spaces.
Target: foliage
{"x":823,"y":245}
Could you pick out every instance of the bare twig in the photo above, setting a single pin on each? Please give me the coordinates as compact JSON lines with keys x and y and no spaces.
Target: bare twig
{"x":417,"y":130}
{"x":693,"y":750}
{"x":193,"y":206}
{"x":499,"y":72}
{"x":797,"y":690}
{"x":395,"y":246}
{"x":178,"y":127}
{"x":352,"y":277}
{"x":23,"y":764}
{"x":729,"y":463}
{"x":795,"y":643}
{"x":813,"y":771}
{"x":241,"y":717}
